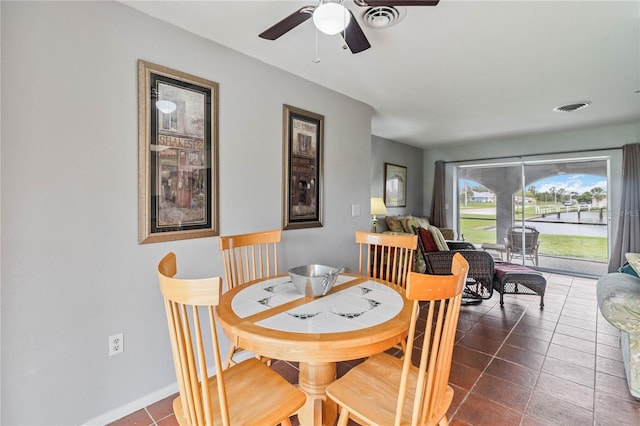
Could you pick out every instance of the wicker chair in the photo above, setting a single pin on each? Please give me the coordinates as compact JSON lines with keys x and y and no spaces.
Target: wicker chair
{"x":514,"y":243}
{"x":481,"y":267}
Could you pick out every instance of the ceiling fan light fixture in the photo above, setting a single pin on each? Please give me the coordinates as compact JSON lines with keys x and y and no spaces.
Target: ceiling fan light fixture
{"x":331,"y":18}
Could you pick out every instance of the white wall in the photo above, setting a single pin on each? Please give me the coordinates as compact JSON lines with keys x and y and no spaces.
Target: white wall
{"x":72,"y":270}
{"x":388,"y":151}
{"x":602,"y":139}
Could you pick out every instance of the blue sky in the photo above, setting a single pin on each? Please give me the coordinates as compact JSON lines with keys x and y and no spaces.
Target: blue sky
{"x":570,"y":182}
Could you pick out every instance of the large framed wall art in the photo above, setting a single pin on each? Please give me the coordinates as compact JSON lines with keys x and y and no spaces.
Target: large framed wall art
{"x":178,"y":155}
{"x":395,"y":185}
{"x":303,"y":140}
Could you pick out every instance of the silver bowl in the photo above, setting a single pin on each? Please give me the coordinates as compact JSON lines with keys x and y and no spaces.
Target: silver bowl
{"x":314,"y":280}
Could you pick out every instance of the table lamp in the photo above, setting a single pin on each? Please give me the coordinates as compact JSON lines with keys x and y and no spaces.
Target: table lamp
{"x":377,"y":207}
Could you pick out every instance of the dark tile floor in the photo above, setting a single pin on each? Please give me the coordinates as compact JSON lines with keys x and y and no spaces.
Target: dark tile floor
{"x":519,"y":365}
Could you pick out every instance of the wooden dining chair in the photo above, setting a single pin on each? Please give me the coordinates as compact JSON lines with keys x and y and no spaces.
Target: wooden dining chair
{"x":385,"y":256}
{"x":388,"y":257}
{"x":248,"y":257}
{"x":247,"y":393}
{"x":385,"y":390}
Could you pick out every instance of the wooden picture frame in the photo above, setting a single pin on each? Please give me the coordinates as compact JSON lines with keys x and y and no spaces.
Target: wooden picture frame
{"x":303,"y":147}
{"x":177,"y":155}
{"x":395,"y":185}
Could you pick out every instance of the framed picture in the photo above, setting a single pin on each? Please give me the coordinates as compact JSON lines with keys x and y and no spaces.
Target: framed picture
{"x":395,"y":185}
{"x":302,"y":181}
{"x":178,"y":155}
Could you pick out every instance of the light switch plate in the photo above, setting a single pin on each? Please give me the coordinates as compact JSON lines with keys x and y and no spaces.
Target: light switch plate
{"x":355,"y":209}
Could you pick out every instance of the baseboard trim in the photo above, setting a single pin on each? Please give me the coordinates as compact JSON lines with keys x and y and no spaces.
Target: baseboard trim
{"x":133,"y":406}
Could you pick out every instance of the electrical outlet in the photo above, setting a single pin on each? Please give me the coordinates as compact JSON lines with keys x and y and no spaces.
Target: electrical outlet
{"x":116,"y":344}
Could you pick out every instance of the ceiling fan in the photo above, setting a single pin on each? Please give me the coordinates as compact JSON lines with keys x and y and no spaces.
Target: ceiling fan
{"x":331,"y":17}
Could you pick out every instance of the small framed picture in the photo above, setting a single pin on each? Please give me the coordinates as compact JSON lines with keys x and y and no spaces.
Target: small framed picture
{"x":303,"y":134}
{"x":395,"y":185}
{"x":177,"y":154}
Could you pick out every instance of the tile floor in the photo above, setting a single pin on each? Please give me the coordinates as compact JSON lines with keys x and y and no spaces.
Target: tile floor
{"x":518,"y":365}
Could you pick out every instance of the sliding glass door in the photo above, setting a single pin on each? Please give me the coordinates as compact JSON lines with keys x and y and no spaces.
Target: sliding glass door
{"x":549,"y":215}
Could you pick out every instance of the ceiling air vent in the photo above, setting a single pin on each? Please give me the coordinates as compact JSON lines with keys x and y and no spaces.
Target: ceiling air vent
{"x":573,"y":107}
{"x":381,"y":16}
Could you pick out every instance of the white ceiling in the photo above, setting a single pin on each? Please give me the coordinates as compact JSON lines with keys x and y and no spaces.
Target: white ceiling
{"x":460,"y":71}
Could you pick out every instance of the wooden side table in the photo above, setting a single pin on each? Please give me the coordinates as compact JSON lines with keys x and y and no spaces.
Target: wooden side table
{"x":496,"y":250}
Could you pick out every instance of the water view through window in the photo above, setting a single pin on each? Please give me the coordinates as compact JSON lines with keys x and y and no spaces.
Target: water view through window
{"x":563,"y":205}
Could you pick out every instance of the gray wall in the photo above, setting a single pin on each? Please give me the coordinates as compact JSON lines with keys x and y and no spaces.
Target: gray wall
{"x":388,"y":151}
{"x":72,"y":270}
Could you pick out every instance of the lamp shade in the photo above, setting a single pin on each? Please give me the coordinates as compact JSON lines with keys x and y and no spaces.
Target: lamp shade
{"x":331,"y":18}
{"x":377,"y":206}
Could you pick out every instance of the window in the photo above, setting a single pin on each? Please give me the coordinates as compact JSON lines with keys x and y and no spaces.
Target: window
{"x":565,"y":201}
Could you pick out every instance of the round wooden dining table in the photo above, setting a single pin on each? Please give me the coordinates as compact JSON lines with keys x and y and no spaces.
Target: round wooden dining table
{"x":359,"y":317}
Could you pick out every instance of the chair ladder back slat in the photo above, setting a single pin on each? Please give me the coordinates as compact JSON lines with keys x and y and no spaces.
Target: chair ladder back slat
{"x":393,"y":272}
{"x":406,"y":363}
{"x":249,"y":263}
{"x":272,"y":254}
{"x":426,"y":359}
{"x":449,"y":332}
{"x":390,"y":266}
{"x":227,"y":266}
{"x":430,"y":363}
{"x":201,"y":368}
{"x":177,"y":347}
{"x":407,"y":263}
{"x":376,"y":261}
{"x":222,"y":392}
{"x":187,"y":365}
{"x":257,"y":265}
{"x":193,"y":359}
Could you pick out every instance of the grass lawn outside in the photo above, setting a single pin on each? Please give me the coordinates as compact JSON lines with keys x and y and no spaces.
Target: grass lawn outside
{"x":479,"y":229}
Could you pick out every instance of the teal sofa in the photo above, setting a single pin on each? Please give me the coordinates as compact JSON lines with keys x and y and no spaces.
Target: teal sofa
{"x":619,"y":302}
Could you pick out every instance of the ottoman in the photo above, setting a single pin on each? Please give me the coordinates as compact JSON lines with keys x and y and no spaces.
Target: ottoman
{"x":510,"y":278}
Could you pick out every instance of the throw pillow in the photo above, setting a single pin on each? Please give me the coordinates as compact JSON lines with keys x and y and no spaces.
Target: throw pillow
{"x":423,"y":221}
{"x":394,"y":225}
{"x":427,"y":240}
{"x":409,"y":223}
{"x":627,"y":269}
{"x":438,"y":238}
{"x":634,"y":261}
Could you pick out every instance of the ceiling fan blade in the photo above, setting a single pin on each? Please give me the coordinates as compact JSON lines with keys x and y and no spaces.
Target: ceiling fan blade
{"x":354,"y":36}
{"x":287,"y":24}
{"x":373,"y":3}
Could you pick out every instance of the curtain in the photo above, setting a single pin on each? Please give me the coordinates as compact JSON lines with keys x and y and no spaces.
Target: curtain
{"x":628,"y":233}
{"x":438,"y":216}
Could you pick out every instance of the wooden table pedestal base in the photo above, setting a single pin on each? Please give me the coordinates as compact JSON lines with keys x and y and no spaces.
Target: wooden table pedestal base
{"x":313,"y":380}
